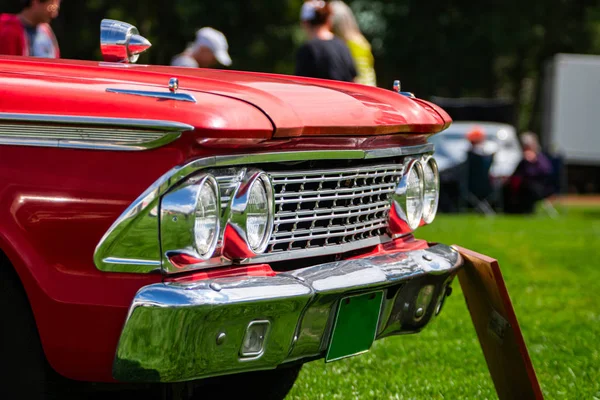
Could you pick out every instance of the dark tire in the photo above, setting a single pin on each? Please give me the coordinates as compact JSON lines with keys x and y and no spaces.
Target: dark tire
{"x":264,"y":385}
{"x":25,"y":371}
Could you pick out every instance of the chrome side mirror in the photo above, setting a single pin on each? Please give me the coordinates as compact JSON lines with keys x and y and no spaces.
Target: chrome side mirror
{"x":121,"y":42}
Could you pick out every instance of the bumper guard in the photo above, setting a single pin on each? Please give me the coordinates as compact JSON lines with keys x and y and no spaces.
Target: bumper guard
{"x":178,"y":332}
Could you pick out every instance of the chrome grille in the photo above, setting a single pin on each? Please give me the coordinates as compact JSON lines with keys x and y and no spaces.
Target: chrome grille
{"x":331,"y":207}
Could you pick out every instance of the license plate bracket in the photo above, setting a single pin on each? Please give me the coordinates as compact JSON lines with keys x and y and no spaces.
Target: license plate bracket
{"x":355,"y":325}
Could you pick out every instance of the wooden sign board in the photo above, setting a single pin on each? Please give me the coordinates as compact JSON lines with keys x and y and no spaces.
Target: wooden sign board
{"x":497,"y":327}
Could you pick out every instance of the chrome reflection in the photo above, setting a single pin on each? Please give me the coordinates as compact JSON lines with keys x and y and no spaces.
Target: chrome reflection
{"x":402,"y":220}
{"x":179,"y":219}
{"x":121,"y":42}
{"x":157,"y":95}
{"x":186,"y":319}
{"x":255,"y":339}
{"x":92,"y":133}
{"x":236,"y":241}
{"x":431,"y":189}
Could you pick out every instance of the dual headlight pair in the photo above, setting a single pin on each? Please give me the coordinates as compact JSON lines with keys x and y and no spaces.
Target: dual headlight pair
{"x":415,"y":201}
{"x":191,"y":220}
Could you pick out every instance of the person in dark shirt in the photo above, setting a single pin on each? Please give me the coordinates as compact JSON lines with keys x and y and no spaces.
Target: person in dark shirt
{"x":323,"y":55}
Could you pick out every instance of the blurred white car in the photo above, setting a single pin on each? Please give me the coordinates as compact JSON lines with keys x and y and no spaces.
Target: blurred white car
{"x":452,"y":145}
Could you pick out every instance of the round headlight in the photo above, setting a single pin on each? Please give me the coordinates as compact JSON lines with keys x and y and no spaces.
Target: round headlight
{"x":407,"y":201}
{"x":250,"y":217}
{"x":431,"y":192}
{"x":414,"y":197}
{"x":259,"y":221}
{"x":206,"y":217}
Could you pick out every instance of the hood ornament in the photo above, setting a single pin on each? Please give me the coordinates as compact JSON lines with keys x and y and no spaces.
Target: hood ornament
{"x":398,"y":89}
{"x":173,"y":85}
{"x":121,"y":42}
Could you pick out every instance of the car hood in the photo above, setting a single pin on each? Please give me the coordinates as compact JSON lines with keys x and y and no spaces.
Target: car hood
{"x":293,"y":106}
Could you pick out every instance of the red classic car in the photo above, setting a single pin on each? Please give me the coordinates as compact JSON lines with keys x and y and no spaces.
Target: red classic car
{"x":167,"y":227}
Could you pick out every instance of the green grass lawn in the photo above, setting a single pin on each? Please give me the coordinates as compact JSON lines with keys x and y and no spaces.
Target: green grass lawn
{"x":552,"y":271}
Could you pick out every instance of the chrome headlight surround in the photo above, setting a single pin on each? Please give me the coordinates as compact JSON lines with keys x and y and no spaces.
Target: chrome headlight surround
{"x":179,"y":218}
{"x":208,"y":186}
{"x":236,"y":241}
{"x":402,"y":220}
{"x":431,"y":183}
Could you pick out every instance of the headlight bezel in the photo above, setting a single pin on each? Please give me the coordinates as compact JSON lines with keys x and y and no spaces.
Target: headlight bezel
{"x":236,"y":244}
{"x":428,"y":218}
{"x":210,"y":182}
{"x":399,"y":221}
{"x":178,"y":213}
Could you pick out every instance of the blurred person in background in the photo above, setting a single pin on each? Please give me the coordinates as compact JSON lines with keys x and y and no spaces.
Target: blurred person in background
{"x":29,"y":33}
{"x":477,"y":137}
{"x":323,"y":55}
{"x":346,"y":27}
{"x":480,"y":188}
{"x":208,"y":50}
{"x":531,"y":181}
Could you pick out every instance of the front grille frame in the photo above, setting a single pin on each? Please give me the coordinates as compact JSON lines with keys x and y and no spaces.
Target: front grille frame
{"x":111,"y":256}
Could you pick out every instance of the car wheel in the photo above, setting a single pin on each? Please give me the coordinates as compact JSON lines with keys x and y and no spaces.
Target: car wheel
{"x":26,"y":373}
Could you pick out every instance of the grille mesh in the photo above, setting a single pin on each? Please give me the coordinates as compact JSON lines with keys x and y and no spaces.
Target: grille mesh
{"x":332,"y":206}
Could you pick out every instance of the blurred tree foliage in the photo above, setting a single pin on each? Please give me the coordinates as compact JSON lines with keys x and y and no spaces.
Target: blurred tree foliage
{"x":447,"y":48}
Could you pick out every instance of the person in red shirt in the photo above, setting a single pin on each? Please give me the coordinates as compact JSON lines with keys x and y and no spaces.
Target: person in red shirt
{"x":29,"y":33}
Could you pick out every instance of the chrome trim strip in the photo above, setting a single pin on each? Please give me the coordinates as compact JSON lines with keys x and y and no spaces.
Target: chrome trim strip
{"x":324,"y":233}
{"x":160,"y":125}
{"x":158,"y":95}
{"x":177,"y":174}
{"x":93,"y":133}
{"x":399,"y":151}
{"x":351,"y":195}
{"x":318,"y":251}
{"x":128,"y":261}
{"x":87,"y":145}
{"x":325,"y":213}
{"x":188,"y":318}
{"x":318,"y":195}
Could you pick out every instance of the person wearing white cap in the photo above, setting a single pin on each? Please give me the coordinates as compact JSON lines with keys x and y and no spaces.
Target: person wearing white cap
{"x":324,"y":55}
{"x":209,"y":49}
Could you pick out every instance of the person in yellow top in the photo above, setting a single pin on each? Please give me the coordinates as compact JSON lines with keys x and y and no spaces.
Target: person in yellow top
{"x":346,"y":27}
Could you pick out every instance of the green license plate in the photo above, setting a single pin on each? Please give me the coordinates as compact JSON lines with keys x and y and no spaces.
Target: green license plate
{"x":355,"y":326}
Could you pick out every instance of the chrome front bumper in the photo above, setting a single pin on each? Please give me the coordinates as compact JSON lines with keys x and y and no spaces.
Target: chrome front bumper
{"x":177,"y":332}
